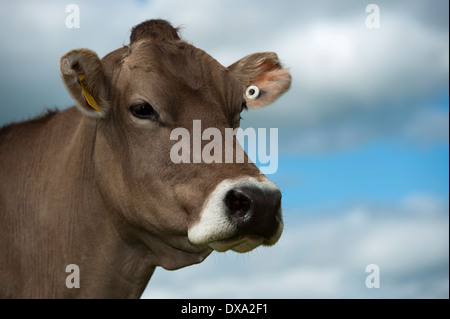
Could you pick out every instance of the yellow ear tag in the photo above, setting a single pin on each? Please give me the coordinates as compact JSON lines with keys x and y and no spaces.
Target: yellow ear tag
{"x":89,"y":99}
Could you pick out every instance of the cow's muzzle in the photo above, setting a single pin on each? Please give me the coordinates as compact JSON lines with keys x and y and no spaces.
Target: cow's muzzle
{"x":240,"y":215}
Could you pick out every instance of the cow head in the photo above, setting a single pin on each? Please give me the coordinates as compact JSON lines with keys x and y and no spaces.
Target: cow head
{"x":138,"y":95}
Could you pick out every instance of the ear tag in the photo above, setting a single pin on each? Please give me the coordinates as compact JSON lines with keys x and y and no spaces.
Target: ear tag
{"x":252,"y":92}
{"x":89,"y":99}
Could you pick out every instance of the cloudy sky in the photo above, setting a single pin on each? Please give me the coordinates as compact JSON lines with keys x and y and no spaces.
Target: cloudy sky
{"x":363,"y":133}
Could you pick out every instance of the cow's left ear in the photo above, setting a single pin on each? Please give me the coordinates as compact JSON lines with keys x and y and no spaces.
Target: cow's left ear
{"x":84,"y":78}
{"x":263,"y":78}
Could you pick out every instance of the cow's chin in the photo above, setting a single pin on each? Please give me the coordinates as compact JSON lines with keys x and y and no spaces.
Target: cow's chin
{"x":241,"y":244}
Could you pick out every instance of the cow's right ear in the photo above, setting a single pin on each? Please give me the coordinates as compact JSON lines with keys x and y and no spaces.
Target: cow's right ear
{"x":83,"y":76}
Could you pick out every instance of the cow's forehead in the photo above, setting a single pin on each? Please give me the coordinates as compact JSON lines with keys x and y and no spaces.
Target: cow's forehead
{"x":181,"y":68}
{"x":179,"y":59}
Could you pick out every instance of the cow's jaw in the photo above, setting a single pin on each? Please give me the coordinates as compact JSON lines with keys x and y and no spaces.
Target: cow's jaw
{"x":218,"y":228}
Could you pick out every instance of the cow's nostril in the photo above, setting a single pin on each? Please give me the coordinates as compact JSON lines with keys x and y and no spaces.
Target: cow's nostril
{"x":238,"y":203}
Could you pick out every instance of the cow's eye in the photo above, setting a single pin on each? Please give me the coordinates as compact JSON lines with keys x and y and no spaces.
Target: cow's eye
{"x":144,"y":111}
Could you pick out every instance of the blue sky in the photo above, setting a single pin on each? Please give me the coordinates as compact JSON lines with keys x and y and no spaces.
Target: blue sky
{"x":363,"y":133}
{"x":380,"y":171}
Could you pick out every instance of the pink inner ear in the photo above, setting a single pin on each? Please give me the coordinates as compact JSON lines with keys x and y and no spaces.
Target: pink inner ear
{"x":267,"y":66}
{"x":272,"y":83}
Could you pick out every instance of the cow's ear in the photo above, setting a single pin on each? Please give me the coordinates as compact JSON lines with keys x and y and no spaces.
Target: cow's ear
{"x":83,"y":76}
{"x":263,"y":78}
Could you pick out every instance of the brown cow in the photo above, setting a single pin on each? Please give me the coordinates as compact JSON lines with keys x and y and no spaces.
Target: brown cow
{"x":97,"y":188}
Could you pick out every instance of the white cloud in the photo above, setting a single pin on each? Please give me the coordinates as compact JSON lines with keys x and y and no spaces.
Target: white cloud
{"x":324,"y":256}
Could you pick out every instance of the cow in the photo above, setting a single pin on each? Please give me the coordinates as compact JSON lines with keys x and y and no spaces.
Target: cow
{"x":93,"y":186}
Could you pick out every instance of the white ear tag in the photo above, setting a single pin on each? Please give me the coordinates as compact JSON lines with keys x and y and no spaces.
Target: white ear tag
{"x":252,"y":92}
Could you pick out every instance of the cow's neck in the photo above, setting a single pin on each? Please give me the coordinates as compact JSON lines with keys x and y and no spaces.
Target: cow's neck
{"x":109,"y":265}
{"x":116,"y":268}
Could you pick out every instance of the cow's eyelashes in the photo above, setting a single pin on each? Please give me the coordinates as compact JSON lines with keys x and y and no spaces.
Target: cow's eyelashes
{"x":144,"y":111}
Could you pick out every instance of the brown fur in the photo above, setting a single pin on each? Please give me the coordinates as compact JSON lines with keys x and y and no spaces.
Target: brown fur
{"x":100,"y":190}
{"x":160,"y":30}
